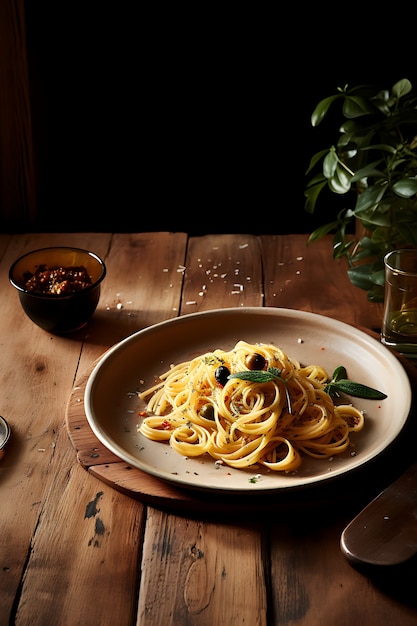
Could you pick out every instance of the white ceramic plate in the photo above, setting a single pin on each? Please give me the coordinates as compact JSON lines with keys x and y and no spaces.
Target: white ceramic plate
{"x":112,"y":404}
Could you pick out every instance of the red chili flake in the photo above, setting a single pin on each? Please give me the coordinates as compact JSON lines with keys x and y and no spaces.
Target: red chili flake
{"x":166,"y":425}
{"x":143,"y":413}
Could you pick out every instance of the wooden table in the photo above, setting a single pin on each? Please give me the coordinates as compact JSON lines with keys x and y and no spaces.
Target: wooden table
{"x":75,"y":549}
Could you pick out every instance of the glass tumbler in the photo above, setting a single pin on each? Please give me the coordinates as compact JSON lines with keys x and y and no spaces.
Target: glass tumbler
{"x":399,"y":324}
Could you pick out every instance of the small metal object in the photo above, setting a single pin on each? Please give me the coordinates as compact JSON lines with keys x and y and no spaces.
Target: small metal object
{"x":5,"y":432}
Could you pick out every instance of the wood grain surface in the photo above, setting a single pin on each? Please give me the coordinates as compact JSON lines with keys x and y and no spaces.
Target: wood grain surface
{"x":82,"y":542}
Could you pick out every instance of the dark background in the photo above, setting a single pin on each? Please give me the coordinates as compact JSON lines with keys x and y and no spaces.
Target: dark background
{"x":189,"y":121}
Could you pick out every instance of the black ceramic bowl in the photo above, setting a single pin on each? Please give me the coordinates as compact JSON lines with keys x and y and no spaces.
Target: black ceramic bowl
{"x":64,"y":311}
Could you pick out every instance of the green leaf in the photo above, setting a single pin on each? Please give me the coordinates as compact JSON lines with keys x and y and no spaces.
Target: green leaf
{"x":356,"y":389}
{"x":340,"y":372}
{"x":402,"y":88}
{"x":378,"y":278}
{"x":256,"y":376}
{"x":330,"y":162}
{"x":360,"y":276}
{"x":340,"y":182}
{"x":383,"y":147}
{"x":341,"y":384}
{"x":311,"y":194}
{"x":406,"y":187}
{"x":315,"y":159}
{"x":376,"y":294}
{"x":355,"y":106}
{"x":369,"y":198}
{"x":321,"y":231}
{"x":321,"y":109}
{"x":368,"y":170}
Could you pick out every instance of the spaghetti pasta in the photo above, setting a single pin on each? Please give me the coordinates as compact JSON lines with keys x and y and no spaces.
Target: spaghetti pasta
{"x":207,"y":406}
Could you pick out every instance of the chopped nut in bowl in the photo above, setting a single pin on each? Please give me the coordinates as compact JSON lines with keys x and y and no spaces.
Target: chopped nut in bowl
{"x":59,"y":288}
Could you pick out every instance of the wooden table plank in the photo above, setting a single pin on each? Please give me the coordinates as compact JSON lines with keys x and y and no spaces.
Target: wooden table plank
{"x":192,"y":573}
{"x":35,"y":376}
{"x":142,"y":287}
{"x":143,"y":284}
{"x":88,"y":538}
{"x":308,"y":278}
{"x":222,"y":271}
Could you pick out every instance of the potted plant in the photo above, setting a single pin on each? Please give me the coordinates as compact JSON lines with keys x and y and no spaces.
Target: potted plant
{"x":373,"y":160}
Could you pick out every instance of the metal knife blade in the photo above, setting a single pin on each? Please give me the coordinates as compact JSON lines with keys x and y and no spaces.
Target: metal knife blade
{"x":385,"y":531}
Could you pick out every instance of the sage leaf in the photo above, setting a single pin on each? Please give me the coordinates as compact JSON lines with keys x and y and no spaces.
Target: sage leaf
{"x":255,"y":376}
{"x":337,"y":385}
{"x":343,"y":385}
{"x":340,"y":384}
{"x":340,"y":372}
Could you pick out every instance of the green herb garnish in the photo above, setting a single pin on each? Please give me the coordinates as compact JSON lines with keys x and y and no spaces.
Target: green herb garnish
{"x":340,"y":384}
{"x":259,"y":376}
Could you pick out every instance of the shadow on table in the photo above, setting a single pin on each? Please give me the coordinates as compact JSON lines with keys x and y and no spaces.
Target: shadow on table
{"x":111,"y":326}
{"x":396,"y":581}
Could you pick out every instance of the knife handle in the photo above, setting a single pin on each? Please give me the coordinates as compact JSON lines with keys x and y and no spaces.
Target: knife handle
{"x":385,"y":531}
